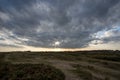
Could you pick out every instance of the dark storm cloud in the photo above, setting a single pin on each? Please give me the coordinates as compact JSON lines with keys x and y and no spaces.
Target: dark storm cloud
{"x":71,"y":22}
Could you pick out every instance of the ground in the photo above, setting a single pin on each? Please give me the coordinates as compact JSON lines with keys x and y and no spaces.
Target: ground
{"x":80,"y":65}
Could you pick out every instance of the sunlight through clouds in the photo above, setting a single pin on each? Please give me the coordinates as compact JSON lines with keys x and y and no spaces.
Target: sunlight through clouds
{"x":64,"y":24}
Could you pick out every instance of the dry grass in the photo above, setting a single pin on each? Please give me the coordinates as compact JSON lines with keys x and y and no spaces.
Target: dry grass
{"x":84,"y":65}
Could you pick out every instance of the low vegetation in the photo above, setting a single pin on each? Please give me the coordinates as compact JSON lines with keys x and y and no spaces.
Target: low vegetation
{"x":79,"y":65}
{"x":29,"y":72}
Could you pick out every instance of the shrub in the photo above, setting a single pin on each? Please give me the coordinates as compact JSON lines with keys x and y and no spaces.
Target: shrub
{"x":30,"y":72}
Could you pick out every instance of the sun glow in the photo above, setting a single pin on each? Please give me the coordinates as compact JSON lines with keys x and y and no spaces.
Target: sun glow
{"x":57,"y":43}
{"x":57,"y":50}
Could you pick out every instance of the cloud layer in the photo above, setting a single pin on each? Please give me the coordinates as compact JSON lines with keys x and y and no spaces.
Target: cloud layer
{"x":72,"y":23}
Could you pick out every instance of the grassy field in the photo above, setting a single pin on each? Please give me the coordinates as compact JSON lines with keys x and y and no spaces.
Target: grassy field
{"x":80,"y":65}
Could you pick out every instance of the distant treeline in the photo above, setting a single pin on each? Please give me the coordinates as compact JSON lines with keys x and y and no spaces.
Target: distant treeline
{"x":87,"y":51}
{"x":72,"y":51}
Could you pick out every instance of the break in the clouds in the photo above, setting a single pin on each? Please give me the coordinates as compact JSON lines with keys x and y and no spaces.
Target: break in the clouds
{"x":59,"y":23}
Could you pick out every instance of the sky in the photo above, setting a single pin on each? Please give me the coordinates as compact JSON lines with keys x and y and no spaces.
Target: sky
{"x":46,"y":25}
